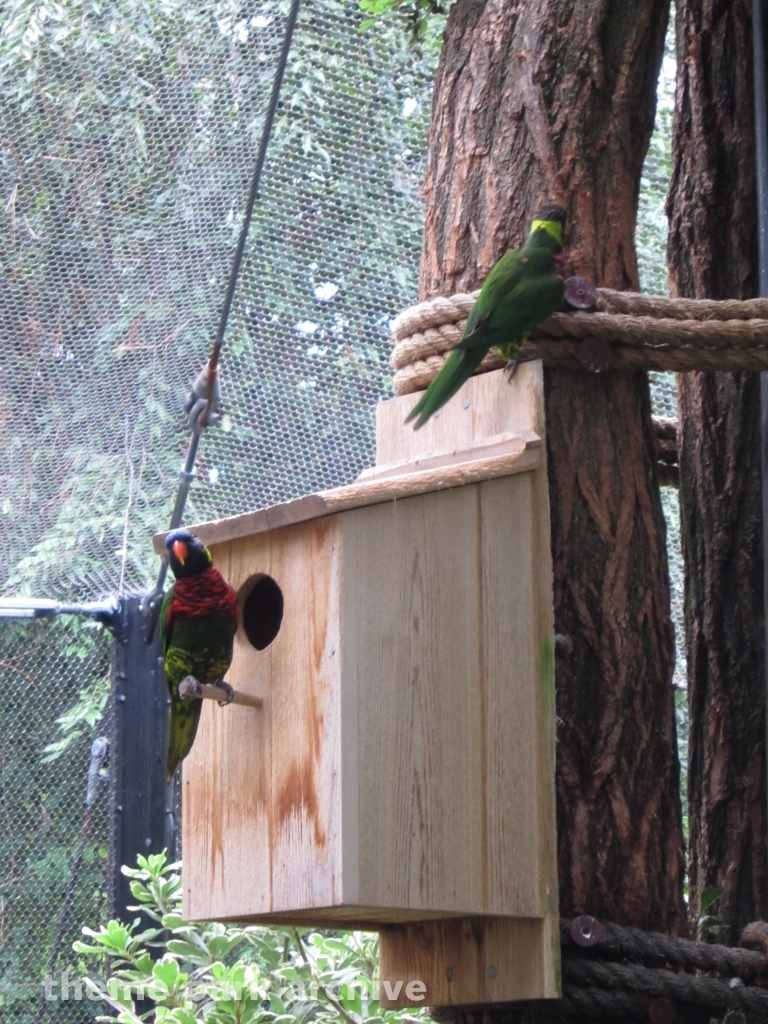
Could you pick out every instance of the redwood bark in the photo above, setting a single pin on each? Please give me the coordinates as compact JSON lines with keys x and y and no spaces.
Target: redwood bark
{"x":554,"y":100}
{"x":713,"y":254}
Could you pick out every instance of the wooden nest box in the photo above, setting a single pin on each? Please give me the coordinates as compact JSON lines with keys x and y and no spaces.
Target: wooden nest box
{"x":400,"y":775}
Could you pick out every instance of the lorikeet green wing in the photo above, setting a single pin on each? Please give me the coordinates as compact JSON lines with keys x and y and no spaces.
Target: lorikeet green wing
{"x":521,"y":291}
{"x":500,"y":284}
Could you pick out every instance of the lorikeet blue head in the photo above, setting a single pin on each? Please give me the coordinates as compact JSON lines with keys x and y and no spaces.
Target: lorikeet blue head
{"x":188,"y":555}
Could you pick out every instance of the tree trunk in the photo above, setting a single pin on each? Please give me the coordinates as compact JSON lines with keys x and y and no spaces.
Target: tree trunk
{"x":713,"y":254}
{"x":554,"y":100}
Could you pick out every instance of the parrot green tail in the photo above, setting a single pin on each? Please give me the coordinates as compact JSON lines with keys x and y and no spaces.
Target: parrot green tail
{"x":200,"y":647}
{"x":524,"y":287}
{"x":458,"y":368}
{"x":185,"y":718}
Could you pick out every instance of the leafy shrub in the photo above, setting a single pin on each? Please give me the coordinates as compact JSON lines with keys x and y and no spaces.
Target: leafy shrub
{"x":221,"y":974}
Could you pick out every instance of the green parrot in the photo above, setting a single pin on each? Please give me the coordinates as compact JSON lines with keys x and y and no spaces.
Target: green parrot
{"x":198,"y":619}
{"x":523,"y":289}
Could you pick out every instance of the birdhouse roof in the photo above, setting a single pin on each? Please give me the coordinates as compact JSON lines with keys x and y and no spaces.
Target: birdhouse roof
{"x":497,"y":456}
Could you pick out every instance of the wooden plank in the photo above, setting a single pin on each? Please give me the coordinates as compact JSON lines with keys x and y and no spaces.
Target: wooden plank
{"x":510,"y":657}
{"x":501,"y":406}
{"x":219,"y":531}
{"x":526,"y":948}
{"x":465,"y":961}
{"x":499,"y":444}
{"x":484,"y":406}
{"x":451,"y":429}
{"x":305,"y":837}
{"x":410,"y":645}
{"x":355,"y":916}
{"x":262,"y":791}
{"x":528,"y":411}
{"x":521,"y":457}
{"x":451,"y":822}
{"x":224,"y":797}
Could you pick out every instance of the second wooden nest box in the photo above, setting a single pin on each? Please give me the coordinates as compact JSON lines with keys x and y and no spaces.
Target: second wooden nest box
{"x":402,"y":767}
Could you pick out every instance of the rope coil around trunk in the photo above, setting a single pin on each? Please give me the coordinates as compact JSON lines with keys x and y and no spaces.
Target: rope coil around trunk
{"x":624,"y":974}
{"x":625,"y":331}
{"x":650,"y":966}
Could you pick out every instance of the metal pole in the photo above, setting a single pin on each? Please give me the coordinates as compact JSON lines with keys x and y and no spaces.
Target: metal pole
{"x":759,"y":22}
{"x":138,"y":744}
{"x":43,"y":607}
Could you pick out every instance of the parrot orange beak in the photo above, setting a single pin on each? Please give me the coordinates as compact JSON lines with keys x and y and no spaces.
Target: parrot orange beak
{"x":179,"y":549}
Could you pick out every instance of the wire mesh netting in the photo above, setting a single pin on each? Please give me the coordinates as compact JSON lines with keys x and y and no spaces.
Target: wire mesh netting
{"x":651,"y":242}
{"x":128,"y":132}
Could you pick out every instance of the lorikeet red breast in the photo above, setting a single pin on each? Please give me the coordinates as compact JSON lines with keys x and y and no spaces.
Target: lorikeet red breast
{"x":198,"y":620}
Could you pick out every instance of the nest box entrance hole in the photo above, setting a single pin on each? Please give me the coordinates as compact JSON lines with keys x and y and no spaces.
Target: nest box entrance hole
{"x":261,"y":609}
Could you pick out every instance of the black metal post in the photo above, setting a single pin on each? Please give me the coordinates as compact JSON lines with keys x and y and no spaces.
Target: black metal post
{"x":759,"y":22}
{"x":137,"y":760}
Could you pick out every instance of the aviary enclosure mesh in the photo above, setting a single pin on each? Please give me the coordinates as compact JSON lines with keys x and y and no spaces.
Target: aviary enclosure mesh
{"x":128,"y":132}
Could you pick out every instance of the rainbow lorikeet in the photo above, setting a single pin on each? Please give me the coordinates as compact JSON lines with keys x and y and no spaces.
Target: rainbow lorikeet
{"x":523,"y":289}
{"x":198,"y":619}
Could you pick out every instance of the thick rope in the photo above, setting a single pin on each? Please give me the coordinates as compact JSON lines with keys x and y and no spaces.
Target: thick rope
{"x":655,"y":948}
{"x":599,"y":1002}
{"x":639,"y":304}
{"x":709,"y":993}
{"x":442,"y":310}
{"x":622,"y":972}
{"x":635,"y":332}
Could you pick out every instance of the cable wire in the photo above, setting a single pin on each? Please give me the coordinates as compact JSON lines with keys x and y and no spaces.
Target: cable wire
{"x":151,"y":602}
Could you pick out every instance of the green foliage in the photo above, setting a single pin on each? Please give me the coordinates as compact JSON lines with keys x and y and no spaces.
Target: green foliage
{"x":81,"y":719}
{"x":129,"y":134}
{"x":220,"y":974}
{"x":709,"y":924}
{"x":122,"y":224}
{"x":425,"y":18}
{"x":41,"y":809}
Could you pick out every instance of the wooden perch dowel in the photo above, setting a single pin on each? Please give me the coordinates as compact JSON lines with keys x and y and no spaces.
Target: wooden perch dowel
{"x":191,"y":687}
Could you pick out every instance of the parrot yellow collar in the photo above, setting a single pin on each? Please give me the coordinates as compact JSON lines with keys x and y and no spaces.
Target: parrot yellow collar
{"x":552,"y":227}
